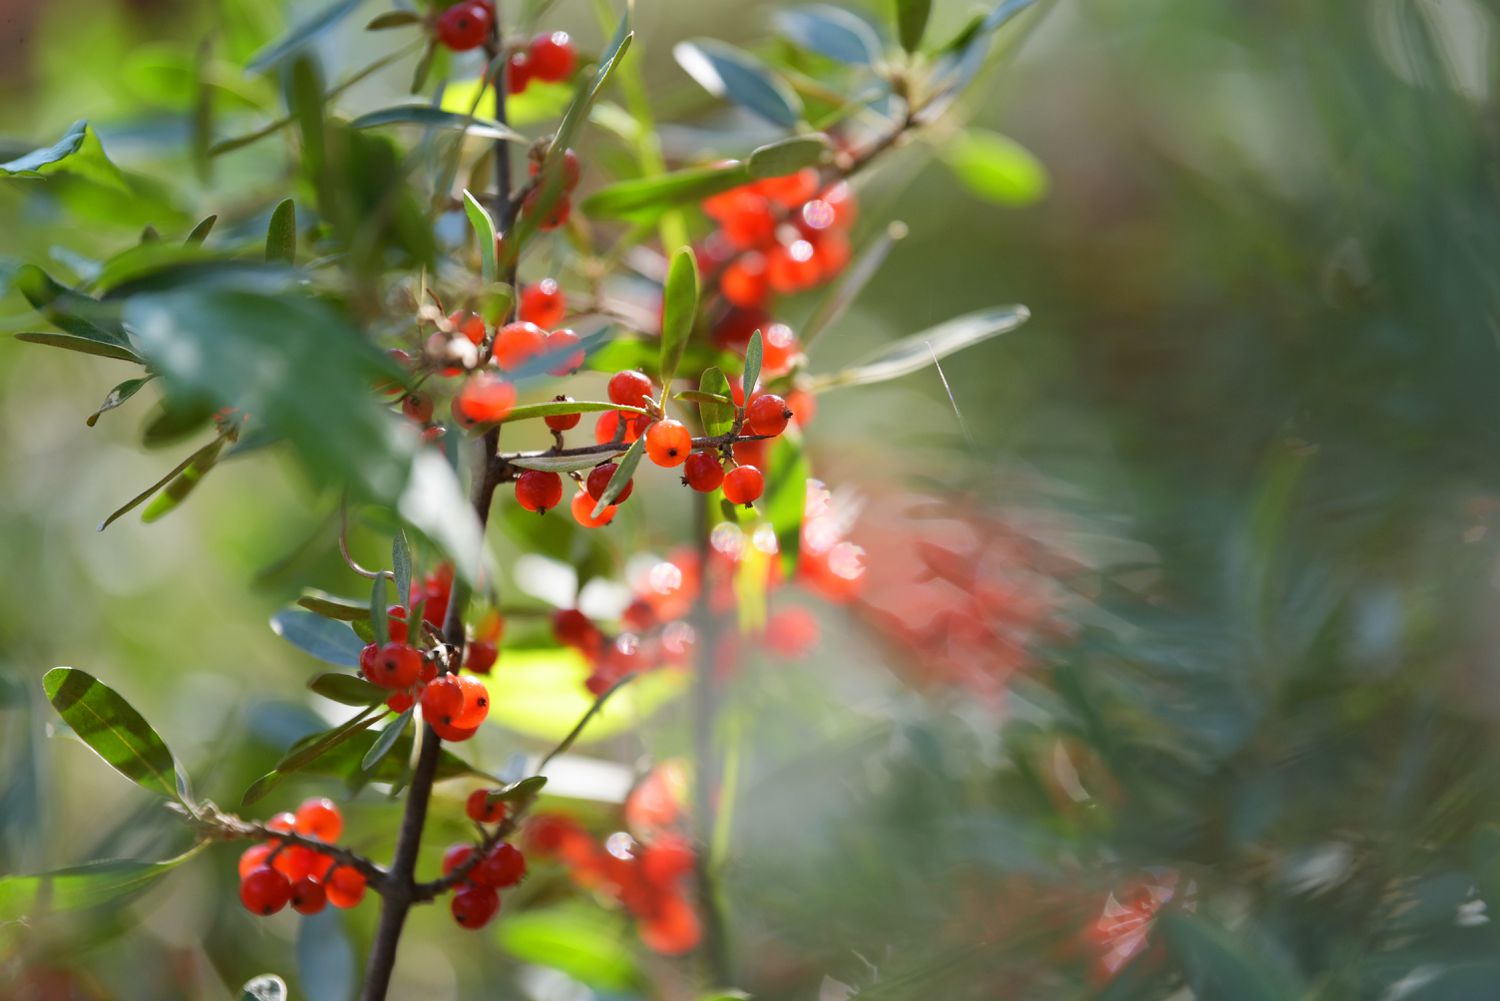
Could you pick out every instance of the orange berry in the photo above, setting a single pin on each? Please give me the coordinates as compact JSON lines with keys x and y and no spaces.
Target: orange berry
{"x":668,"y":443}
{"x":583,"y":511}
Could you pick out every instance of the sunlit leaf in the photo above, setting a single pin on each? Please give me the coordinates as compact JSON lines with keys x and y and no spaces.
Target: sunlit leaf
{"x":379,"y":620}
{"x":80,"y":316}
{"x":185,"y":482}
{"x":552,"y":408}
{"x":541,"y":693}
{"x":587,"y":943}
{"x":117,"y":396}
{"x":401,"y":565}
{"x":201,"y":455}
{"x":80,"y":887}
{"x":200,"y":232}
{"x":733,"y":74}
{"x":996,"y":168}
{"x":393,"y":19}
{"x":112,"y":728}
{"x":84,"y":345}
{"x":560,"y":463}
{"x":788,"y":156}
{"x":718,"y":418}
{"x":624,"y":470}
{"x":911,"y":22}
{"x":78,"y":153}
{"x":281,"y":235}
{"x":916,"y":352}
{"x":751,"y":375}
{"x":679,"y":311}
{"x":332,"y":607}
{"x":786,"y":498}
{"x":328,"y":640}
{"x":484,"y":232}
{"x":647,"y":197}
{"x":308,"y":750}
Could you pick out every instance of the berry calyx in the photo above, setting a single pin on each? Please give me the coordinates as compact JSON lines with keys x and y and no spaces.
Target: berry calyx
{"x":599,"y":478}
{"x":264,"y":891}
{"x":465,"y":25}
{"x":703,"y":472}
{"x":319,"y":818}
{"x":583,"y":511}
{"x":768,"y":414}
{"x":503,"y":866}
{"x":517,"y":343}
{"x":743,"y":485}
{"x":669,"y":443}
{"x":539,"y":491}
{"x":563,"y":422}
{"x":543,"y":303}
{"x":482,"y":809}
{"x":484,"y":399}
{"x":308,"y":896}
{"x":551,"y":57}
{"x":630,"y":388}
{"x":397,"y":666}
{"x":473,"y":906}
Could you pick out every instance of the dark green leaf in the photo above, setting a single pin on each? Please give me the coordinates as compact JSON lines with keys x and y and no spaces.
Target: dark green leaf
{"x":379,"y":620}
{"x":185,"y":482}
{"x":839,"y":298}
{"x":113,"y":729}
{"x":382,"y":745}
{"x":208,"y":453}
{"x":330,"y":641}
{"x":325,"y":957}
{"x":790,"y":155}
{"x":308,"y":750}
{"x":751,"y":374}
{"x":281,"y":235}
{"x":911,"y":22}
{"x":735,"y":75}
{"x":401,"y":563}
{"x":393,"y":19}
{"x":552,"y":408}
{"x":331,"y":607}
{"x":77,"y":314}
{"x":347,"y":689}
{"x":200,"y":232}
{"x":996,"y":168}
{"x":624,"y":470}
{"x":718,"y":418}
{"x":910,"y":354}
{"x":117,"y":396}
{"x":830,"y":31}
{"x":266,"y":987}
{"x":679,"y":311}
{"x":86,"y":345}
{"x":786,"y":498}
{"x":174,"y":420}
{"x":484,"y":232}
{"x":1214,"y":963}
{"x":430,"y":117}
{"x":76,"y":888}
{"x":523,"y":790}
{"x":303,"y":33}
{"x":647,"y":197}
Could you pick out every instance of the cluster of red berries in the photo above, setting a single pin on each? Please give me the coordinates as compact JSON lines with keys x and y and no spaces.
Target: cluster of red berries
{"x":477,"y":898}
{"x":274,"y":873}
{"x":549,"y":57}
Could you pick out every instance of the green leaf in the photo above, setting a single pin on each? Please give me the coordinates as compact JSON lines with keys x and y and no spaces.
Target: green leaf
{"x":393,"y":19}
{"x":174,"y":420}
{"x":266,"y":987}
{"x":540,"y":693}
{"x":718,"y":418}
{"x":185,"y":482}
{"x":735,"y":75}
{"x":401,"y":563}
{"x":588,"y":944}
{"x":300,"y":35}
{"x":647,"y":197}
{"x":112,"y":728}
{"x":830,"y":31}
{"x":996,"y":168}
{"x":117,"y":396}
{"x":484,"y":230}
{"x":724,"y":995}
{"x":308,"y":750}
{"x":46,"y":156}
{"x":211,"y":449}
{"x":559,"y":463}
{"x":379,"y":620}
{"x":522,"y":791}
{"x":553,"y":408}
{"x":624,"y":470}
{"x":916,"y":352}
{"x":839,"y":298}
{"x":753,"y":354}
{"x":76,"y":888}
{"x":347,"y":689}
{"x":430,"y":117}
{"x":78,"y":153}
{"x":86,"y":345}
{"x":200,"y":232}
{"x":911,"y":22}
{"x":329,"y":641}
{"x":78,"y":315}
{"x":1216,"y":965}
{"x":383,"y":743}
{"x":281,"y":235}
{"x":332,"y":607}
{"x":325,"y":957}
{"x":679,"y":311}
{"x":698,"y":396}
{"x":787,"y":156}
{"x":786,"y":498}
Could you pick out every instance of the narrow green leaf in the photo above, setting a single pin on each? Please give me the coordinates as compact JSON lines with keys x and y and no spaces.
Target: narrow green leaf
{"x":996,"y":168}
{"x":427,"y":116}
{"x":200,"y":232}
{"x":752,"y":364}
{"x":401,"y":563}
{"x":112,"y":728}
{"x":698,"y":396}
{"x":786,"y":498}
{"x":718,"y":417}
{"x":624,"y":470}
{"x":185,"y":482}
{"x":329,"y":641}
{"x":911,"y":22}
{"x":552,"y":408}
{"x":80,"y":887}
{"x":733,"y":74}
{"x":679,"y":311}
{"x":522,"y":791}
{"x":78,"y":315}
{"x":281,"y":235}
{"x":787,"y":156}
{"x":117,"y":396}
{"x":383,"y":743}
{"x":830,"y":31}
{"x":379,"y":620}
{"x":85,"y":345}
{"x":839,"y":298}
{"x":347,"y":689}
{"x":484,"y":230}
{"x":910,"y":354}
{"x":332,"y":607}
{"x":266,"y":987}
{"x":393,"y":19}
{"x":140,"y":498}
{"x":647,"y":197}
{"x":33,"y":162}
{"x":308,"y":750}
{"x":558,"y":463}
{"x":300,"y":35}
{"x":78,"y":153}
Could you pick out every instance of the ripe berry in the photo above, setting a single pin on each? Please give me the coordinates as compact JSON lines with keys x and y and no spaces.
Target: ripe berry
{"x":308,"y":896}
{"x":417,"y":407}
{"x":400,"y":702}
{"x":630,"y":388}
{"x":395,"y":623}
{"x":480,"y":655}
{"x":565,"y":350}
{"x":791,"y":190}
{"x":455,"y":856}
{"x":744,"y":217}
{"x":539,"y":491}
{"x":557,"y":210}
{"x":599,"y":478}
{"x":803,"y":406}
{"x":397,"y":666}
{"x":756,"y":452}
{"x":517,"y":73}
{"x":503,"y":866}
{"x":573,"y":628}
{"x":768,"y":414}
{"x":253,"y":858}
{"x":703,"y":471}
{"x":485,"y":399}
{"x":264,"y":891}
{"x":295,"y":861}
{"x":470,"y":325}
{"x":319,"y":818}
{"x":608,"y":424}
{"x":442,"y":700}
{"x":517,"y":343}
{"x":476,"y":702}
{"x":669,"y":443}
{"x":283,"y":821}
{"x":779,"y":347}
{"x":483,"y":810}
{"x":583,"y":511}
{"x":792,"y":267}
{"x":563,"y":422}
{"x":455,"y":734}
{"x":344,"y":887}
{"x":743,"y":282}
{"x":551,"y":57}
{"x":743,"y":484}
{"x":473,"y":906}
{"x":543,"y":303}
{"x":572,"y":170}
{"x":465,"y":25}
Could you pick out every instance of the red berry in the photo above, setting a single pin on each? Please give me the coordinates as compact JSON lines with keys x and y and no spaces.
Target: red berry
{"x":400,"y":702}
{"x":599,"y":478}
{"x":551,"y":57}
{"x":397,"y":666}
{"x":630,"y":388}
{"x":608,"y":424}
{"x":456,"y":734}
{"x":485,"y":398}
{"x":503,"y":866}
{"x":639,"y":615}
{"x":792,"y":632}
{"x":669,"y":443}
{"x":563,"y":422}
{"x":344,"y":887}
{"x":543,"y":303}
{"x":517,"y":73}
{"x":480,"y":655}
{"x":779,"y":347}
{"x":253,"y":858}
{"x":557,"y":213}
{"x":417,"y":407}
{"x":455,"y":856}
{"x":476,"y":703}
{"x":745,"y":218}
{"x":465,"y":25}
{"x":442,"y":700}
{"x":517,"y":343}
{"x":471,"y":325}
{"x":320,"y":818}
{"x":666,"y":860}
{"x":284,"y":821}
{"x":792,"y":267}
{"x":473,"y":906}
{"x":583,"y":511}
{"x":573,"y":628}
{"x":396,"y":623}
{"x":791,"y":190}
{"x":308,"y":896}
{"x":572,"y":170}
{"x":768,"y":414}
{"x":539,"y":491}
{"x":482,"y":809}
{"x":264,"y":891}
{"x":564,"y":349}
{"x":803,"y":406}
{"x":295,"y":861}
{"x":672,"y":927}
{"x":743,"y":282}
{"x":743,"y":484}
{"x":367,"y":657}
{"x":703,"y":471}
